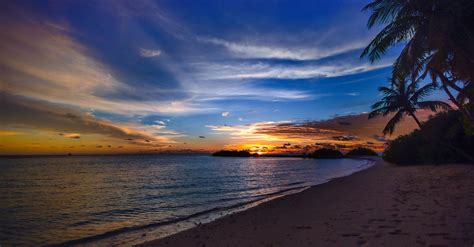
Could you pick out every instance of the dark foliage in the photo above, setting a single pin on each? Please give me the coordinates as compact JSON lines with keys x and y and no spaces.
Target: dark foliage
{"x":444,"y":138}
{"x":438,"y":38}
{"x":230,"y":153}
{"x":360,"y":151}
{"x":325,"y":153}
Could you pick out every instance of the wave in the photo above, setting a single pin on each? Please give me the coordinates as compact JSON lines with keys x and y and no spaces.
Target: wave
{"x":112,"y":233}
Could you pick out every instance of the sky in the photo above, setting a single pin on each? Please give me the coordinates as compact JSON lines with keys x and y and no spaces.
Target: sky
{"x":188,"y":76}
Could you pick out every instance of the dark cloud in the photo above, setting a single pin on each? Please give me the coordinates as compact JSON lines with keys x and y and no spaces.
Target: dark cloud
{"x":22,"y":111}
{"x":344,"y":123}
{"x":345,"y":138}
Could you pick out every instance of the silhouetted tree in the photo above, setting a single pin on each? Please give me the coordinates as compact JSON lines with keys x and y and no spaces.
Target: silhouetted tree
{"x":404,"y":99}
{"x":439,"y":36}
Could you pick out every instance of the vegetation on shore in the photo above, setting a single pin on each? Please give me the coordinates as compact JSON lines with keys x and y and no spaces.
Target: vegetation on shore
{"x":442,"y":139}
{"x":361,"y":151}
{"x":326,"y":153}
{"x":323,"y":153}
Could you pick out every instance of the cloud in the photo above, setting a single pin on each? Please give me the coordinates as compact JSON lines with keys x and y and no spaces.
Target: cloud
{"x":345,"y":138}
{"x":201,"y":82}
{"x":8,"y":133}
{"x":353,"y":94}
{"x":249,"y":132}
{"x":234,"y":90}
{"x":71,"y":135}
{"x":265,"y":70}
{"x":149,"y":53}
{"x":18,"y":111}
{"x":248,"y":50}
{"x":154,"y":13}
{"x":46,"y":63}
{"x":355,"y":130}
{"x":225,"y":114}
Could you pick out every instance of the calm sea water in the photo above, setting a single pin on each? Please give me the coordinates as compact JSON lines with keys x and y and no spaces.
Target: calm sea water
{"x":107,"y":199}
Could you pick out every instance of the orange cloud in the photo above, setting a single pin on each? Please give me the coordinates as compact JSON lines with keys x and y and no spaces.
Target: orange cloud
{"x":39,"y":120}
{"x":71,"y":135}
{"x":342,"y":132}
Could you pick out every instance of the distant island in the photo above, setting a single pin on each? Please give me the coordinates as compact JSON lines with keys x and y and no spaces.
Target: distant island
{"x":232,"y":153}
{"x":323,"y":153}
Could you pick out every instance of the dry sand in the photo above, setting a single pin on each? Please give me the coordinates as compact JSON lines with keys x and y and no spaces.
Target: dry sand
{"x":384,"y":205}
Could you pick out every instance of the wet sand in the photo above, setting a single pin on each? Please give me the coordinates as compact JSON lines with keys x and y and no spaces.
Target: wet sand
{"x":384,"y":205}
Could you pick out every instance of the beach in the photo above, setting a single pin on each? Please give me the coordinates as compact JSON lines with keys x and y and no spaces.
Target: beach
{"x":384,"y":205}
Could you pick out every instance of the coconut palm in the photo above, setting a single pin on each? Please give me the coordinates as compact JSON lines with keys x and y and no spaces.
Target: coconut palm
{"x":404,"y":98}
{"x":439,"y":41}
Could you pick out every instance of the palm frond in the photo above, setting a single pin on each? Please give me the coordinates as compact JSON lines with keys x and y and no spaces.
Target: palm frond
{"x":434,"y":105}
{"x":423,"y":92}
{"x":377,"y":112}
{"x":393,"y":33}
{"x":390,"y":127}
{"x":383,"y":11}
{"x":388,"y":91}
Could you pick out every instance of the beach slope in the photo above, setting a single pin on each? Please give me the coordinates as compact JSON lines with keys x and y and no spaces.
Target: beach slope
{"x":384,"y":205}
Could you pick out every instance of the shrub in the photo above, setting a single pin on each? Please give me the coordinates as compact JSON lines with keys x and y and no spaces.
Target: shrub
{"x":361,"y":151}
{"x":404,"y":149}
{"x":442,"y":139}
{"x":326,"y":153}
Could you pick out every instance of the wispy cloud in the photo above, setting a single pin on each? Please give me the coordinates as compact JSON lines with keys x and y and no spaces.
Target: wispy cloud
{"x":244,"y":91}
{"x":263,"y":70}
{"x":353,"y":94}
{"x":55,"y":66}
{"x":149,"y":53}
{"x":71,"y":135}
{"x":249,"y":50}
{"x":8,"y":133}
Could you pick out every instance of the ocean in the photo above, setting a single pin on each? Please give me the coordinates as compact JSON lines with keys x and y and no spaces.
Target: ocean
{"x":127,"y":199}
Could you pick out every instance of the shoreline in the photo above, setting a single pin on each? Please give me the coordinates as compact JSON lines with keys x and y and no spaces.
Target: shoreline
{"x":380,"y":205}
{"x":116,"y":237}
{"x":159,"y":230}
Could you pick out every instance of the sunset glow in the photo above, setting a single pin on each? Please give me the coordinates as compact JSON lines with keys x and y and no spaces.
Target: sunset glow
{"x":72,"y":86}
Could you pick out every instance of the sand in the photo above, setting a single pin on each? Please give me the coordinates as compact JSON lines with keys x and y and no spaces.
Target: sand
{"x":384,"y":205}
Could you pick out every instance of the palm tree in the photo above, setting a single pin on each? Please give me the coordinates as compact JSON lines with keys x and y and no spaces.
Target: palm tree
{"x":439,"y":37}
{"x":403,"y":99}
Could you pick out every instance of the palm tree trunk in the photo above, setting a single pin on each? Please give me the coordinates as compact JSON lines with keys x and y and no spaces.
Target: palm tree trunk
{"x":445,"y":83}
{"x":458,"y":105}
{"x":452,"y":84}
{"x":416,"y":119}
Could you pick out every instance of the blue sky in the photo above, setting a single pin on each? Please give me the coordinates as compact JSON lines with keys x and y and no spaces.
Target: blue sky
{"x":189,"y":65}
